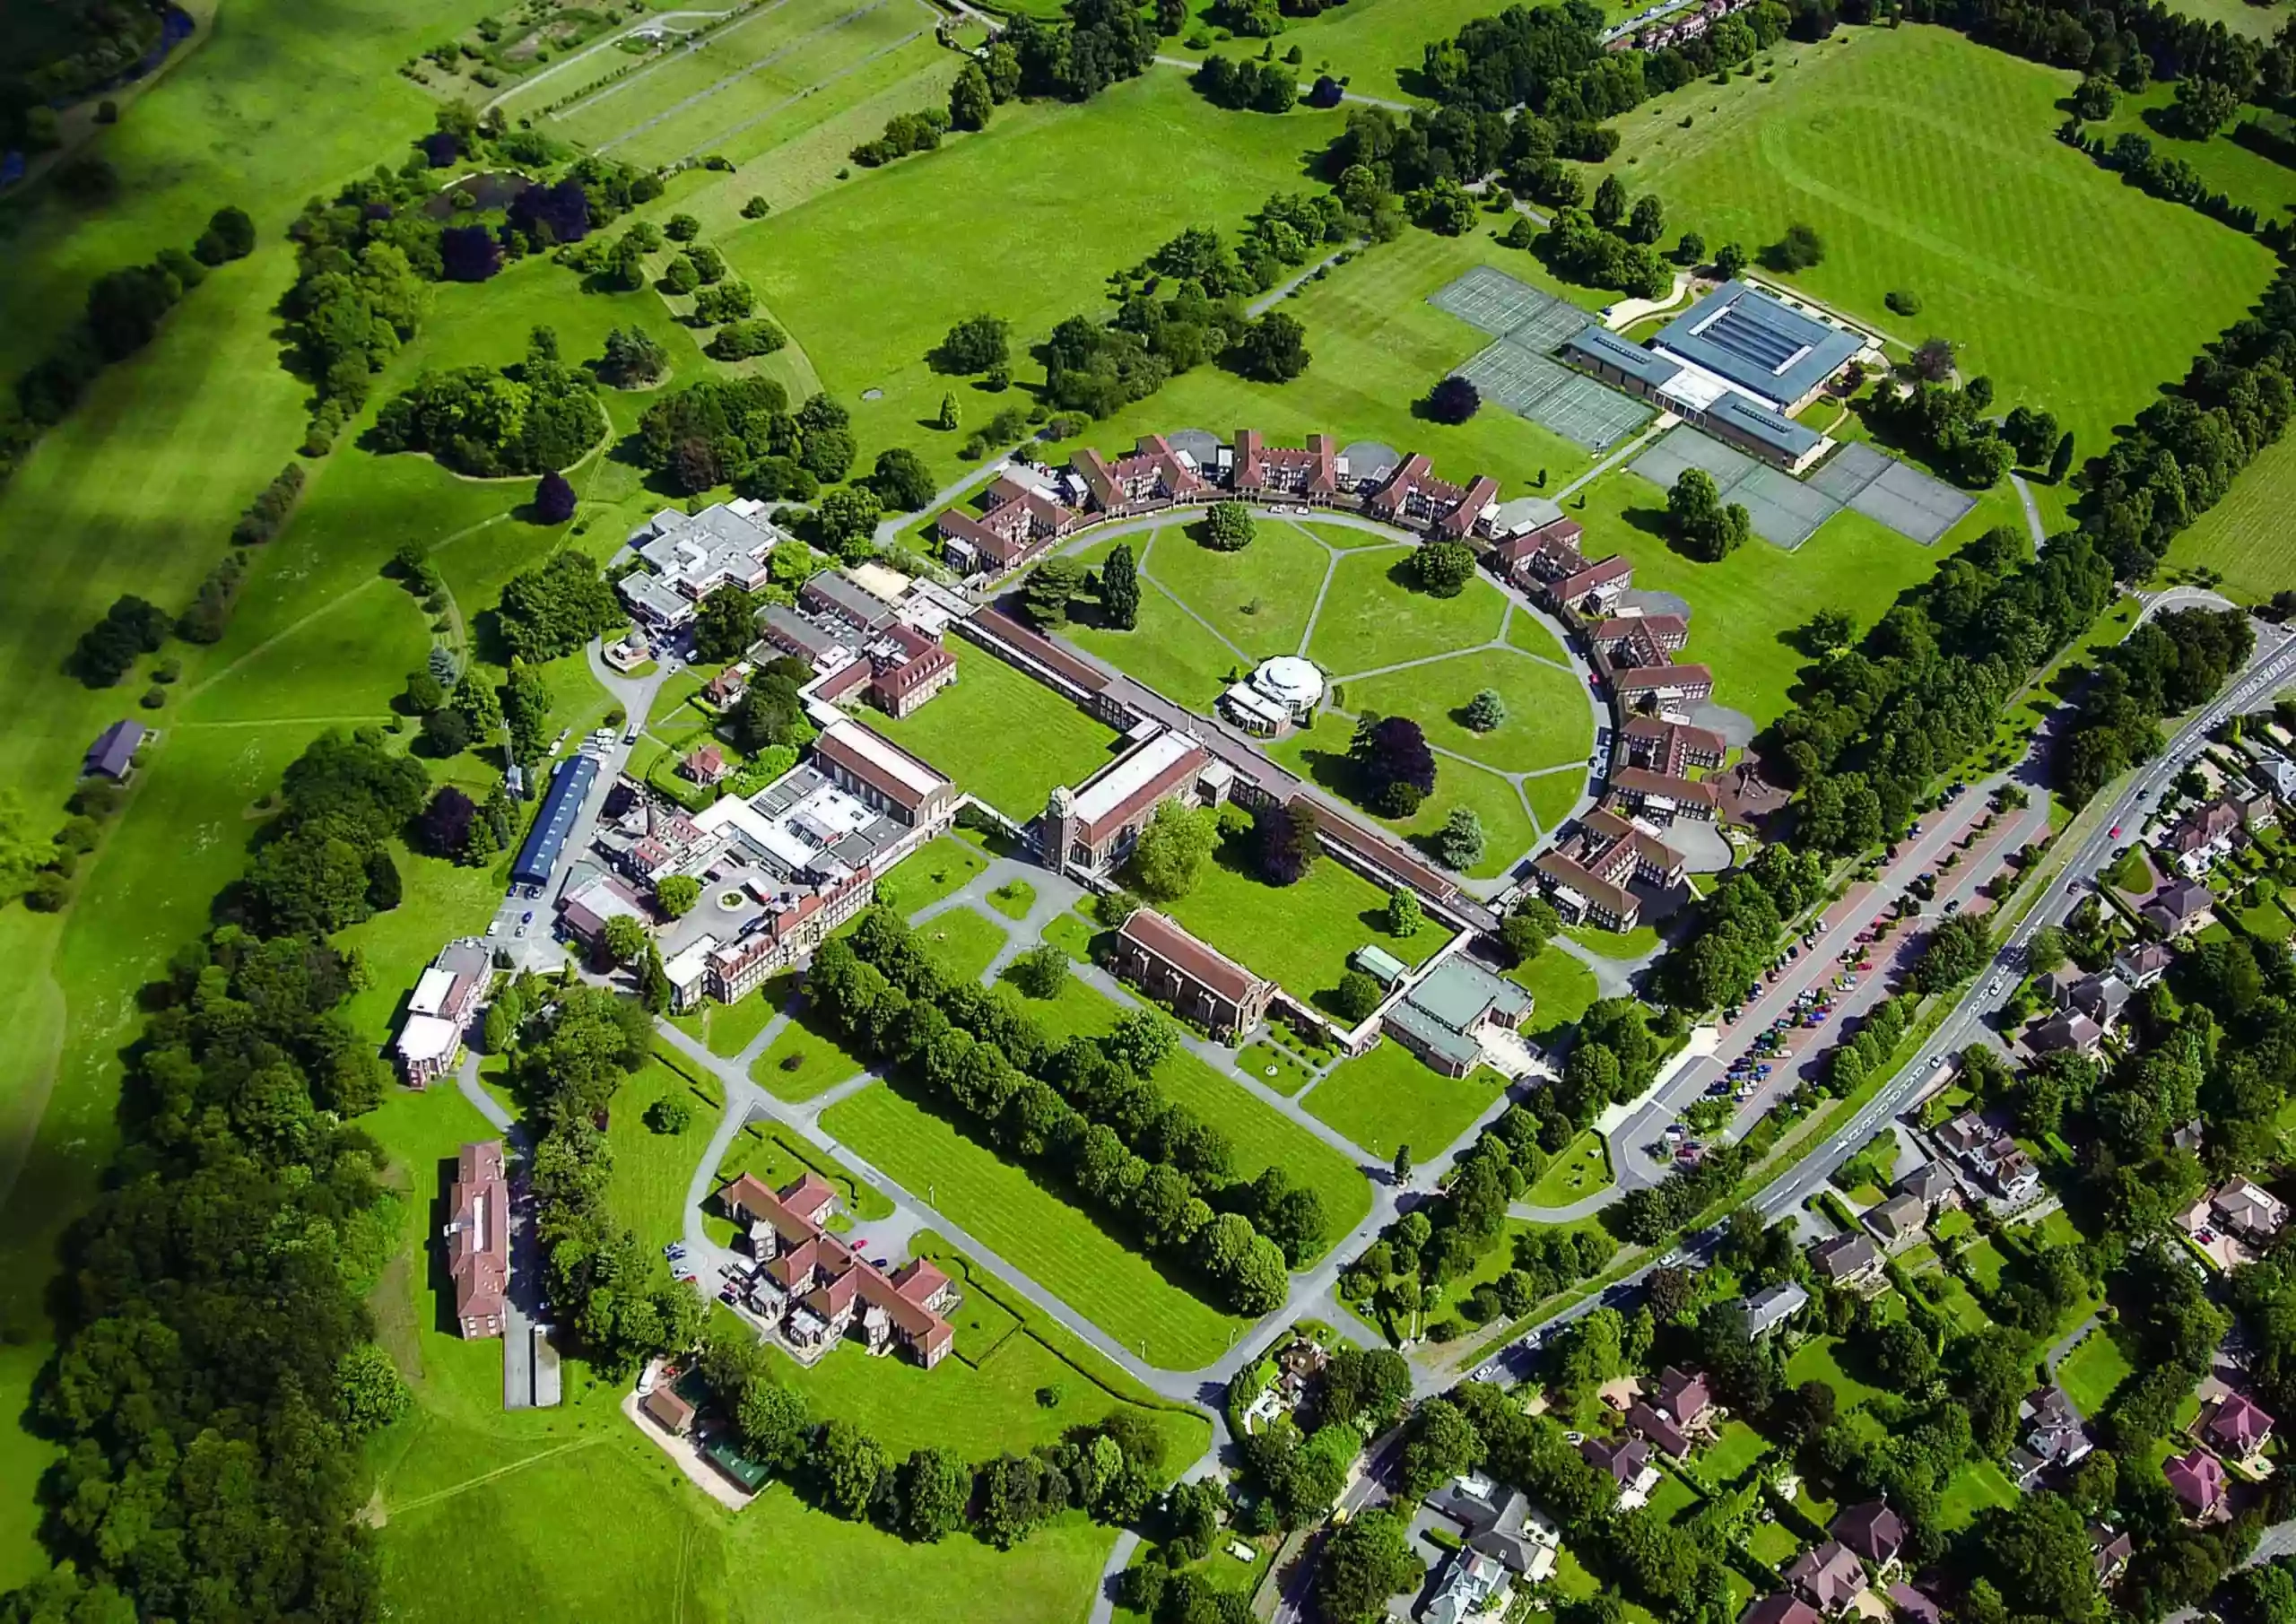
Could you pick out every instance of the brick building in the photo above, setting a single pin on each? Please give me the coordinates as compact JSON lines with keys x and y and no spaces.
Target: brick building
{"x":1199,"y":984}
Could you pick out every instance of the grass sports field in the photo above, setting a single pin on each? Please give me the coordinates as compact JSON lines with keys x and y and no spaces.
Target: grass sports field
{"x":842,"y":272}
{"x":1386,"y":1099}
{"x":1054,"y":1243}
{"x":1927,"y":162}
{"x":1002,"y":736}
{"x":2244,"y":538}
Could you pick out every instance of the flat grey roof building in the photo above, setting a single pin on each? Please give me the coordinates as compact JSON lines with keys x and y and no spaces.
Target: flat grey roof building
{"x":1757,"y":343}
{"x":1600,"y":344}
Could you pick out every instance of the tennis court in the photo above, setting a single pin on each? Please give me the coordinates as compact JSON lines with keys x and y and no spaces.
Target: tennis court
{"x":1506,"y":309}
{"x":1915,"y":504}
{"x":1783,"y":510}
{"x":1554,"y":396}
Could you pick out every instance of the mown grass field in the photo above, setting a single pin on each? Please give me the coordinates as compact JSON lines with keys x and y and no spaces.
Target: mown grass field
{"x":1297,"y":936}
{"x":1386,"y":1098}
{"x":1548,"y":719}
{"x":1038,"y":1232}
{"x":1260,"y":599}
{"x":1167,"y":648}
{"x":1375,"y":615}
{"x":870,"y":277}
{"x":1001,"y":736}
{"x":2245,"y":537}
{"x":1928,"y":162}
{"x":1563,"y":988}
{"x":1320,"y":753}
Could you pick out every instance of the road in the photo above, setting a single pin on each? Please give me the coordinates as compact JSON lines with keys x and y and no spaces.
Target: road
{"x":2273,"y":665}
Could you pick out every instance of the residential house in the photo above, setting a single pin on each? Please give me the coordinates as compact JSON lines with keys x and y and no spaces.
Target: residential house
{"x":1771,"y":1307}
{"x":2197,"y":1481}
{"x":2142,"y":963}
{"x":440,"y":1011}
{"x":2054,"y":1437}
{"x":1672,"y":748}
{"x":1447,"y":1017}
{"x":666,"y":1410}
{"x":2109,"y":1549}
{"x":1501,"y":1540}
{"x":478,"y":1240}
{"x":725,"y":689}
{"x":1661,"y":689}
{"x":1991,"y":1155}
{"x":113,"y":755}
{"x":2202,"y":836}
{"x":1913,"y":1605}
{"x":707,"y":767}
{"x":1828,"y":1576}
{"x":1675,"y":1412}
{"x":815,"y":1288}
{"x":1874,"y":1532}
{"x":2278,"y":773}
{"x":2066,"y":1032}
{"x":2179,"y":909}
{"x":1200,"y":984}
{"x":2237,"y":1427}
{"x":1847,"y":1260}
{"x":1662,"y":798}
{"x":1898,"y":1221}
{"x":897,"y":670}
{"x":1627,"y":1463}
{"x":1543,"y":553}
{"x":1094,"y":827}
{"x":1931,"y":1184}
{"x":2248,"y":1209}
{"x":1780,"y":1607}
{"x":1639,"y":639}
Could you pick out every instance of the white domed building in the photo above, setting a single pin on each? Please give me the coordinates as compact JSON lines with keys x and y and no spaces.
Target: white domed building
{"x":1283,"y":692}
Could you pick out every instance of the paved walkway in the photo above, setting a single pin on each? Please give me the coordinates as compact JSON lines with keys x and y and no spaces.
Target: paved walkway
{"x":2033,"y":526}
{"x":2065,"y":1344}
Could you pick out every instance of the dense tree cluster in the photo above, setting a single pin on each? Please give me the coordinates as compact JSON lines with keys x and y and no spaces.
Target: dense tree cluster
{"x":131,"y":627}
{"x":1084,"y":1111}
{"x":209,"y":613}
{"x":538,"y":416}
{"x":1259,"y":87}
{"x":1739,"y":926}
{"x":2162,"y":174}
{"x":324,"y":862}
{"x":1578,"y":249}
{"x":904,"y":133}
{"x":555,"y":607}
{"x":1708,"y":530}
{"x":1949,"y":427}
{"x":741,"y":430}
{"x":2173,"y":663}
{"x":1095,"y":44}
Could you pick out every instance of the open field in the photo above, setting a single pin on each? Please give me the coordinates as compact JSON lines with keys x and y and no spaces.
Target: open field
{"x":1874,"y":138}
{"x":1320,"y":753}
{"x":2091,"y":1371}
{"x":2257,"y":21}
{"x":1167,"y":648}
{"x":804,"y":1060}
{"x":841,"y":272}
{"x":2222,"y":163}
{"x":1746,"y":609}
{"x":1001,"y":736}
{"x":2244,"y":538}
{"x":650,"y":1170}
{"x":1379,"y":347}
{"x":1376,"y":616}
{"x":1386,"y":1099}
{"x":1549,"y":720}
{"x":1260,"y":599}
{"x":1563,"y":988}
{"x":1300,"y":935}
{"x":1052,"y":1242}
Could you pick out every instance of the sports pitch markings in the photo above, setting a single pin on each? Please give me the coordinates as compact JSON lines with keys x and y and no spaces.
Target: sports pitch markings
{"x":1785,"y":511}
{"x":1528,"y":324}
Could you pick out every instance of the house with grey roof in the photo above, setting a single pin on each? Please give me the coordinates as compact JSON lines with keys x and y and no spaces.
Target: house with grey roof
{"x":1443,"y":1018}
{"x":1899,"y":1221}
{"x":1771,"y":1307}
{"x":113,"y":755}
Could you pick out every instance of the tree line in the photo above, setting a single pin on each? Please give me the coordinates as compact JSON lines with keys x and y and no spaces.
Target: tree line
{"x":217,"y":1372}
{"x":1087,"y":1110}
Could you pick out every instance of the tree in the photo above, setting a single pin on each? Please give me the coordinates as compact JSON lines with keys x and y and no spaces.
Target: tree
{"x":2202,"y":107}
{"x":1440,"y":1444}
{"x":677,"y":894}
{"x":1799,"y":249}
{"x":1647,"y":221}
{"x":1393,"y":763}
{"x":445,"y":823}
{"x":1459,"y":844}
{"x":2095,"y":98}
{"x":1400,"y":1168}
{"x":1444,"y":569}
{"x":446,"y":733}
{"x":934,"y":1486}
{"x":229,"y":234}
{"x":1365,"y":1561}
{"x":1041,"y":972}
{"x":1358,"y":993}
{"x":682,"y":228}
{"x":669,"y":1116}
{"x":948,"y":419}
{"x":625,"y":939}
{"x":774,"y":1425}
{"x":845,"y":1463}
{"x":554,"y":498}
{"x":1274,"y":349}
{"x":1705,"y":528}
{"x":1227,"y":527}
{"x":1525,"y":932}
{"x":1691,"y":250}
{"x":1829,"y":629}
{"x":632,"y":359}
{"x":556,"y":607}
{"x":1933,"y":360}
{"x":848,"y":521}
{"x":975,"y":345}
{"x":1119,"y":589}
{"x":2060,"y":462}
{"x":724,"y":625}
{"x":369,"y":1389}
{"x":1609,"y":206}
{"x":1049,"y":589}
{"x":1454,"y":400}
{"x":1288,"y":840}
{"x":1486,"y":711}
{"x":1143,"y":1040}
{"x":1729,"y":261}
{"x":970,"y":100}
{"x":1404,"y":914}
{"x":902,"y":480}
{"x":1172,"y":850}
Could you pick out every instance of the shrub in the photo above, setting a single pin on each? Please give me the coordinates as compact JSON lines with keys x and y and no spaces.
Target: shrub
{"x":1227,"y":527}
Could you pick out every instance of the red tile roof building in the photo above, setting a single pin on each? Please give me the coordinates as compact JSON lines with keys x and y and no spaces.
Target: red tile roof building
{"x":820,"y":1288}
{"x":706,"y":765}
{"x":1153,"y":476}
{"x":1661,"y":685}
{"x":1261,"y":470}
{"x":899,"y":671}
{"x":1672,"y":748}
{"x":1588,"y":872}
{"x":2238,"y":1426}
{"x":2197,"y":1481}
{"x":884,"y":776}
{"x":1095,"y":826}
{"x":1199,"y":984}
{"x":1413,"y":496}
{"x":1639,"y":790}
{"x":478,"y":1240}
{"x":1019,"y":521}
{"x":1639,"y":639}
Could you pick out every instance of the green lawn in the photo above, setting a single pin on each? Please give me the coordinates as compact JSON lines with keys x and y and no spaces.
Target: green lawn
{"x":1374,"y":615}
{"x":1300,"y":935}
{"x":1874,"y":139}
{"x":939,"y":870}
{"x":1273,"y":1066}
{"x":1014,"y":899}
{"x":728,"y":1028}
{"x":1260,"y":599}
{"x":843,"y":272}
{"x":1985,"y":1263}
{"x":2222,"y":163}
{"x":1772,"y":1545}
{"x":1736,"y":1449}
{"x":651,"y":1171}
{"x":1001,"y":736}
{"x":1550,"y":720}
{"x":1816,"y":1361}
{"x":1386,"y":1099}
{"x":1744,"y":610}
{"x":1973,"y":1486}
{"x":2091,"y":1371}
{"x":2257,"y":21}
{"x":780,"y":1155}
{"x":1579,"y":1170}
{"x":2244,"y":538}
{"x":1671,"y":1497}
{"x":1167,"y":648}
{"x":804,"y":1060}
{"x":1072,"y":935}
{"x":1551,"y":795}
{"x":1636,"y":943}
{"x":1054,"y":1243}
{"x":1321,"y":751}
{"x":1563,"y":988}
{"x":963,"y":940}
